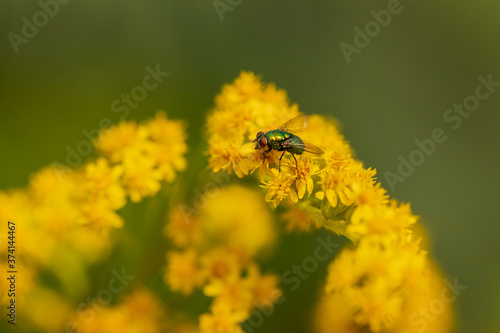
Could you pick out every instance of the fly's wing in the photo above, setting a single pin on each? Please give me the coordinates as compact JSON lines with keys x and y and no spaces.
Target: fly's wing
{"x":310,"y":148}
{"x":295,"y":125}
{"x":304,"y":145}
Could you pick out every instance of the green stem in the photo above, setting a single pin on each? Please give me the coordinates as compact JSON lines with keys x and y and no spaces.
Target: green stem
{"x":334,"y":221}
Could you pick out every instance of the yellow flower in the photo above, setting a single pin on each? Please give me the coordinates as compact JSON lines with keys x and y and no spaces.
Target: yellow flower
{"x":281,"y":187}
{"x":236,"y":287}
{"x":229,"y":156}
{"x":297,"y":220}
{"x":235,"y":292}
{"x":369,"y":196}
{"x":420,"y":302}
{"x":247,"y":86}
{"x":118,"y":140}
{"x":232,"y":122}
{"x":223,"y":319}
{"x":242,"y":109}
{"x":379,"y":259}
{"x":376,"y":276}
{"x":47,"y":187}
{"x":146,"y":154}
{"x":306,"y":168}
{"x":169,"y":138}
{"x":55,"y":200}
{"x":331,"y":314}
{"x":239,"y":218}
{"x":379,"y":306}
{"x":182,"y":228}
{"x":100,"y":215}
{"x":141,"y":178}
{"x":144,"y":310}
{"x":220,"y":264}
{"x":102,"y":183}
{"x":377,"y":309}
{"x":265,"y":290}
{"x":245,"y":291}
{"x":414,"y":267}
{"x":138,"y":312}
{"x":382,"y":219}
{"x":337,"y":183}
{"x":376,"y":257}
{"x":334,"y":313}
{"x":101,"y":195}
{"x":183,"y":272}
{"x":385,"y":264}
{"x":343,"y":272}
{"x":20,"y":206}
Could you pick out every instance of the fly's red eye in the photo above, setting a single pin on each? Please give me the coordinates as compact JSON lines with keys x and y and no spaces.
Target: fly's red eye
{"x":263,"y":141}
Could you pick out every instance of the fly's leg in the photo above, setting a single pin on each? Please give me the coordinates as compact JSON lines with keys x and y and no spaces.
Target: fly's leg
{"x":296,"y":165}
{"x":279,"y":166}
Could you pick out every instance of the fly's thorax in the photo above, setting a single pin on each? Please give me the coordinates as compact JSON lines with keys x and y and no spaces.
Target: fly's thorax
{"x":276,"y":138}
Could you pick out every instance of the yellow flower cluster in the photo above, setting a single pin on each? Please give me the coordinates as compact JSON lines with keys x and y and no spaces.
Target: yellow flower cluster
{"x":64,"y":218}
{"x":216,"y":251}
{"x":243,"y":109}
{"x":334,"y":190}
{"x":332,"y":314}
{"x":139,"y":312}
{"x":146,"y":154}
{"x":64,"y":215}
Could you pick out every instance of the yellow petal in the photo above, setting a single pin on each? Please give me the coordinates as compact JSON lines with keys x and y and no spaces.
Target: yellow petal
{"x":332,"y":197}
{"x":301,"y":188}
{"x":345,"y":196}
{"x":269,"y":196}
{"x":293,"y":195}
{"x":310,"y":185}
{"x":213,"y":289}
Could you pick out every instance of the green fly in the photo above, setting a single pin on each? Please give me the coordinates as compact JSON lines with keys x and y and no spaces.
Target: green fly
{"x":283,"y":139}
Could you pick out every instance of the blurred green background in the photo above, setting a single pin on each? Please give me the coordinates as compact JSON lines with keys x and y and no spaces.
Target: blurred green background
{"x":64,"y":79}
